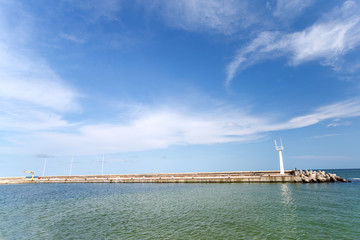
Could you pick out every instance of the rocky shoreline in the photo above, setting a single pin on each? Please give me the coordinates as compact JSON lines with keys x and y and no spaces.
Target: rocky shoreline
{"x":317,"y":177}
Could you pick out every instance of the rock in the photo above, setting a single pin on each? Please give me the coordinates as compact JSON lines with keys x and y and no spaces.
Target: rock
{"x":298,"y":179}
{"x":321,"y":179}
{"x":316,"y":177}
{"x":340,"y":179}
{"x":305,"y":180}
{"x":313,"y":180}
{"x":327,"y":177}
{"x":312,"y":177}
{"x":332,"y":178}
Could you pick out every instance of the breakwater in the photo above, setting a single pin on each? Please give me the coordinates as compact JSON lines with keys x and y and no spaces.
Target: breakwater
{"x":290,"y":176}
{"x":318,"y":176}
{"x":198,"y":177}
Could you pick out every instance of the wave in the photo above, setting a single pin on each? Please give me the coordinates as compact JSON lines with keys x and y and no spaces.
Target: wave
{"x":354,"y":179}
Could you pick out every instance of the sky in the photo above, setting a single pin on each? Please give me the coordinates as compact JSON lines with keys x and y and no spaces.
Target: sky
{"x":178,"y":86}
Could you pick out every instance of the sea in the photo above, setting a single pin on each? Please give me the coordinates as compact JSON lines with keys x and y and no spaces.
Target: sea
{"x":182,"y":211}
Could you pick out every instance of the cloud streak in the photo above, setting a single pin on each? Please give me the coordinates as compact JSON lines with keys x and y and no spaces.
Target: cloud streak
{"x":224,"y":17}
{"x":317,"y":157}
{"x":289,"y":9}
{"x":165,"y":127}
{"x":327,"y":41}
{"x":33,"y":81}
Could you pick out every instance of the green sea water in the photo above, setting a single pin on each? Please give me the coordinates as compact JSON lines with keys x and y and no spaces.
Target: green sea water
{"x":181,"y":211}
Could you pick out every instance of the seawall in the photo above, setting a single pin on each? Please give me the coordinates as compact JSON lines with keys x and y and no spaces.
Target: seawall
{"x":197,"y":177}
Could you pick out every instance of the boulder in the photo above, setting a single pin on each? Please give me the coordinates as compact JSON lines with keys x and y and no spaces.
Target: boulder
{"x":297,"y":179}
{"x":340,"y":179}
{"x":327,"y":177}
{"x":321,"y":179}
{"x":332,"y":178}
{"x":317,"y":176}
{"x":305,"y":180}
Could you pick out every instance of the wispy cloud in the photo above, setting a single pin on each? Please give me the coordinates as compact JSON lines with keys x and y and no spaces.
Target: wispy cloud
{"x":289,"y":9}
{"x":97,"y":9}
{"x":327,"y":40}
{"x":32,"y":95}
{"x":24,"y":75}
{"x":158,"y":128}
{"x":44,"y":155}
{"x":338,"y":122}
{"x":317,"y":157}
{"x":225,"y":17}
{"x":344,"y":109}
{"x":21,"y":117}
{"x":72,"y":38}
{"x":326,"y":135}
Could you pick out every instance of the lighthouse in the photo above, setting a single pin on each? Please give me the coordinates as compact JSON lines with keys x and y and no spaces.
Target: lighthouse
{"x":279,"y":149}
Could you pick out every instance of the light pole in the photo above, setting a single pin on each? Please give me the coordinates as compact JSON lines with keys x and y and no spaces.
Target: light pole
{"x":44,"y":167}
{"x":102,"y":166}
{"x":72,"y":158}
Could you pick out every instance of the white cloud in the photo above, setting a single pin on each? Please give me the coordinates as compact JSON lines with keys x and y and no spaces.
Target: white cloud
{"x":327,"y":40}
{"x":317,"y":157}
{"x":25,"y":77}
{"x":21,"y":117}
{"x":150,"y":130}
{"x":71,"y":37}
{"x":164,"y":127}
{"x":326,"y":135}
{"x":344,"y":109}
{"x":337,"y":123}
{"x":224,"y":17}
{"x":31,"y":94}
{"x":33,"y":81}
{"x":98,"y":9}
{"x":289,"y":9}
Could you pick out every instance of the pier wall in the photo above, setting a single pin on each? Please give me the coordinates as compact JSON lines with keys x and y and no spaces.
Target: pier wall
{"x":201,"y":177}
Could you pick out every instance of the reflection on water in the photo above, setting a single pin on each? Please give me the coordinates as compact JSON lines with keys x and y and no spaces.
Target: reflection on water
{"x":289,"y":214}
{"x":286,"y":197}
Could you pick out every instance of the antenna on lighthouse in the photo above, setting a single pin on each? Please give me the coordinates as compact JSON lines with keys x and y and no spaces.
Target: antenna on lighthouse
{"x":280,"y":149}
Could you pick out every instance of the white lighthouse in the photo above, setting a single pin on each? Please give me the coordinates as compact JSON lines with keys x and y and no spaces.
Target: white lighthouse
{"x":279,"y":149}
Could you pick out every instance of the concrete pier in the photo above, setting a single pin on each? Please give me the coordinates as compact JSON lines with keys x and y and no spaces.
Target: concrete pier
{"x":198,"y":177}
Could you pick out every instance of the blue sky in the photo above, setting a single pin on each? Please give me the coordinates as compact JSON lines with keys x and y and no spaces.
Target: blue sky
{"x":178,"y":86}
